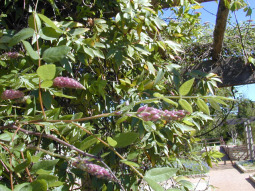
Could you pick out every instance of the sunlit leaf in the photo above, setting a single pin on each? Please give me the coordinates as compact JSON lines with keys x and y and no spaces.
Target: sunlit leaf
{"x":186,"y":87}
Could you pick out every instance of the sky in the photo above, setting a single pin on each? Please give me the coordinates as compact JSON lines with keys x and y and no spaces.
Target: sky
{"x":209,"y":12}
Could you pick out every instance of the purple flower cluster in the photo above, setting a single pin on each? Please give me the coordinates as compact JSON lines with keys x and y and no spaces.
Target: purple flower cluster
{"x":65,"y":82}
{"x":153,"y":114}
{"x":12,"y":54}
{"x":12,"y":94}
{"x":93,"y":169}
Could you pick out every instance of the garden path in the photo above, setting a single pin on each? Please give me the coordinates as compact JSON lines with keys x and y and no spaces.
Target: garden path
{"x":226,"y":177}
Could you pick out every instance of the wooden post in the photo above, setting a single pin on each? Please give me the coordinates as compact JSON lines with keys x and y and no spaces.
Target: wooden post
{"x":249,"y":139}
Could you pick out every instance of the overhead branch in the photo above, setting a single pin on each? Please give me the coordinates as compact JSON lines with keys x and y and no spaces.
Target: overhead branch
{"x":219,"y":30}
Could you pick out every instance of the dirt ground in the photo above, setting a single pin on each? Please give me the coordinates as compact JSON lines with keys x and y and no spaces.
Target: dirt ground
{"x":224,"y":177}
{"x":229,"y":178}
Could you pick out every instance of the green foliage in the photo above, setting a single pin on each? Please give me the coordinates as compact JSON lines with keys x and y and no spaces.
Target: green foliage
{"x":124,"y":60}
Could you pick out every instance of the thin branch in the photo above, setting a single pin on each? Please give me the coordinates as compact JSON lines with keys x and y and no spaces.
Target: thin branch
{"x":110,"y":147}
{"x":71,"y":121}
{"x":4,"y":166}
{"x":27,"y":170}
{"x":241,"y":37}
{"x":222,"y":121}
{"x":11,"y":175}
{"x":39,"y":62}
{"x":14,"y":127}
{"x":48,"y":152}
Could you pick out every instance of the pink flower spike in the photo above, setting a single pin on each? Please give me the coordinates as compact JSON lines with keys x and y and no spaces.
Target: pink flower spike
{"x":141,"y":109}
{"x":65,"y":82}
{"x":155,"y":117}
{"x":12,"y":94}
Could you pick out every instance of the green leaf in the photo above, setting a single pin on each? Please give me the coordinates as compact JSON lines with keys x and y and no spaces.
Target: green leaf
{"x":47,"y":99}
{"x":130,"y":163}
{"x":49,"y":22}
{"x":125,"y":139}
{"x":161,"y":174}
{"x":208,"y":161}
{"x":159,"y":77}
{"x":48,"y":178}
{"x":186,"y":105}
{"x":78,"y":31}
{"x":99,"y":53}
{"x":55,"y":54}
{"x":21,"y":35}
{"x":214,"y":104}
{"x":151,"y":68}
{"x":186,"y":87}
{"x":111,"y":142}
{"x":158,"y":95}
{"x":6,"y":136}
{"x":153,"y":184}
{"x":23,"y":187}
{"x":33,"y":54}
{"x":88,"y":142}
{"x":132,"y":155}
{"x":89,"y":51}
{"x":37,"y":21}
{"x":203,"y":106}
{"x":170,"y":101}
{"x":186,"y":184}
{"x":39,"y":185}
{"x":183,"y":127}
{"x":220,"y":101}
{"x":121,"y":119}
{"x":60,"y":94}
{"x":4,"y":188}
{"x":149,"y":126}
{"x":46,"y":84}
{"x":46,"y":165}
{"x":48,"y":33}
{"x":24,"y":164}
{"x":46,"y":72}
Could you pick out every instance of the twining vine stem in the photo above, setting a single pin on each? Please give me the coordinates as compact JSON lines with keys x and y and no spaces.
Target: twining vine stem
{"x":72,"y":147}
{"x":39,"y":60}
{"x":110,"y":147}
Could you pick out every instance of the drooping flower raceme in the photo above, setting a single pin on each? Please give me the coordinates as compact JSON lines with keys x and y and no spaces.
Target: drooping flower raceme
{"x":93,"y":169}
{"x":65,"y":82}
{"x":12,"y":94}
{"x":153,"y":114}
{"x":12,"y":54}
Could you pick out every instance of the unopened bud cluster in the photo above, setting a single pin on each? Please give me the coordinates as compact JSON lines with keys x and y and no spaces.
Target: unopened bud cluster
{"x":65,"y":82}
{"x":12,"y":94}
{"x":153,"y":114}
{"x":12,"y":54}
{"x":93,"y":169}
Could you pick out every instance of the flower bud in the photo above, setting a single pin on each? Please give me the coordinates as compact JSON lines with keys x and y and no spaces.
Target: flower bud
{"x":93,"y":169}
{"x":65,"y":82}
{"x":12,"y":54}
{"x":118,"y":112}
{"x":141,"y":109}
{"x":12,"y":94}
{"x":145,"y":114}
{"x":153,"y":114}
{"x":155,"y":117}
